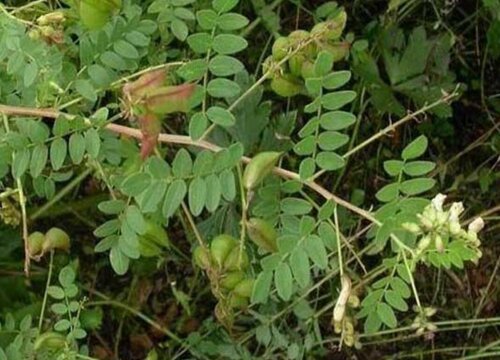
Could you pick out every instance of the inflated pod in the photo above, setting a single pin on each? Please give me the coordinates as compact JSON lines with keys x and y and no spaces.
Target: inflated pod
{"x":286,"y":85}
{"x":238,"y":302}
{"x":231,"y":279}
{"x":339,"y":50}
{"x":280,"y":48}
{"x":232,"y":262}
{"x":35,"y":243}
{"x":50,"y":341}
{"x":307,"y":70}
{"x":331,"y":29}
{"x":220,"y":248}
{"x":56,"y":238}
{"x":202,"y":257}
{"x":298,"y":38}
{"x":259,"y":167}
{"x":295,"y":64}
{"x":262,"y":234}
{"x":244,"y":288}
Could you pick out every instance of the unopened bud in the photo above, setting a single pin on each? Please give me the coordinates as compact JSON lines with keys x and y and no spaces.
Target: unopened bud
{"x":412,"y":227}
{"x":477,"y":225}
{"x":439,"y":243}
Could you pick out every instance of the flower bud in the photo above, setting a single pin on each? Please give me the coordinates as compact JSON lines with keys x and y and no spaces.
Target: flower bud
{"x":454,"y":228}
{"x":476,"y":226}
{"x":340,"y":306}
{"x":258,"y":168}
{"x":55,"y":17}
{"x":438,"y":240}
{"x":411,"y":227}
{"x":426,"y":223}
{"x":455,"y":210}
{"x":424,"y":243}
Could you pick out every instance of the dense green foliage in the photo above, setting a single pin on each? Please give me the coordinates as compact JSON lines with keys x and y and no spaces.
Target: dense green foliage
{"x":246,"y":179}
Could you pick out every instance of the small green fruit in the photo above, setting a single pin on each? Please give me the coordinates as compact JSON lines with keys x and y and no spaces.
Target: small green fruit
{"x":50,"y":341}
{"x":262,"y":234}
{"x":232,"y":262}
{"x":258,"y":168}
{"x":231,"y":279}
{"x":220,"y":248}
{"x":331,"y":29}
{"x":295,"y":64}
{"x":238,"y":302}
{"x":280,"y":48}
{"x":297,"y":38}
{"x":307,"y":70}
{"x":339,"y":50}
{"x":56,"y":238}
{"x":286,"y":85}
{"x":35,"y":243}
{"x":244,"y":288}
{"x":202,"y":257}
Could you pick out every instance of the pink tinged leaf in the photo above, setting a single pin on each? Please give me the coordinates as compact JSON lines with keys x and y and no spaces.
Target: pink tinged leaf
{"x":147,"y":82}
{"x":169,"y":99}
{"x":150,"y":127}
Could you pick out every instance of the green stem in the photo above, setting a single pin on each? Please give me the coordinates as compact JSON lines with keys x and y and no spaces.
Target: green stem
{"x":46,"y":293}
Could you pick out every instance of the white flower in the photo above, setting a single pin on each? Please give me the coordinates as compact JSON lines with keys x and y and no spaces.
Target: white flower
{"x":476,"y":226}
{"x":455,"y":210}
{"x":438,"y":202}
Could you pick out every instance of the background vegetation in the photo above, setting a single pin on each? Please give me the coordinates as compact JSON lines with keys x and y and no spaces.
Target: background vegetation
{"x":249,"y":179}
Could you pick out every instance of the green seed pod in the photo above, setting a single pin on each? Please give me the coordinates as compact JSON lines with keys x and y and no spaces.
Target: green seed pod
{"x":286,"y":85}
{"x":331,"y":29}
{"x":220,"y":248}
{"x":231,"y":279}
{"x":297,"y":38}
{"x":232,"y":262}
{"x":307,"y":70}
{"x":202,"y":257}
{"x":280,"y":48}
{"x":295,"y":64}
{"x":238,"y":302}
{"x":339,"y":50}
{"x":262,"y":234}
{"x":56,"y":238}
{"x":244,"y":288}
{"x":258,"y":168}
{"x":50,"y":341}
{"x":35,"y":244}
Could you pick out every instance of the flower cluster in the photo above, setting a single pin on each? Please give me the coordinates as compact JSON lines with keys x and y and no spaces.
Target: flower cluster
{"x":439,"y":227}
